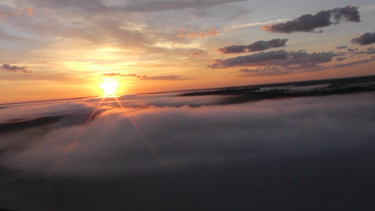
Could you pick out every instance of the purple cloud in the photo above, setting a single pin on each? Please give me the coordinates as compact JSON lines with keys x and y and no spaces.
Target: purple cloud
{"x":253,"y":47}
{"x":10,"y":68}
{"x":365,"y":39}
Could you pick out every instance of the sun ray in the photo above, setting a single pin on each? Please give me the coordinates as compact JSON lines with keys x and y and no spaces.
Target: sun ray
{"x":109,"y":88}
{"x":70,"y":146}
{"x":140,"y":133}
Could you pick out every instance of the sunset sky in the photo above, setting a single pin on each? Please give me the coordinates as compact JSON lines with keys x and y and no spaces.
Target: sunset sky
{"x":60,"y":49}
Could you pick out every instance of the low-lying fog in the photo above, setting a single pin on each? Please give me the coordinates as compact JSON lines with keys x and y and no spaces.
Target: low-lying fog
{"x":170,"y":153}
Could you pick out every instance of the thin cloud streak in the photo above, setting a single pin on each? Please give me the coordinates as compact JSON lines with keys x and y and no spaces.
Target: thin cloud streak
{"x":244,"y":26}
{"x":260,"y":45}
{"x":149,"y":78}
{"x":184,"y":33}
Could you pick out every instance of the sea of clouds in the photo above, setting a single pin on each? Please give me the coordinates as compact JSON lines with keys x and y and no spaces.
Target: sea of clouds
{"x":312,"y":153}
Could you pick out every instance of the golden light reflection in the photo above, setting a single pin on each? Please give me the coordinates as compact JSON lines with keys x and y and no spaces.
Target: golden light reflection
{"x":109,"y":87}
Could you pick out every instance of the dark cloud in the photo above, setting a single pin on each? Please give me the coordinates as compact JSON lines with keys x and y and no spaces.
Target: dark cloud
{"x":251,"y":60}
{"x":363,"y":61}
{"x":309,"y":22}
{"x":253,"y":47}
{"x":365,"y":39}
{"x":340,"y":58}
{"x":233,"y":49}
{"x":353,"y":52}
{"x":299,"y":59}
{"x":283,"y":62}
{"x":304,"y":62}
{"x":10,"y":68}
{"x":342,"y":47}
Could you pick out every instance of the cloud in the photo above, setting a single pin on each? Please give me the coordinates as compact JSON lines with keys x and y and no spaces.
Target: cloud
{"x":340,"y":58}
{"x":251,"y":60}
{"x":363,"y":61}
{"x":299,"y":59}
{"x":163,"y":78}
{"x":304,"y":62}
{"x":259,"y":150}
{"x":197,"y":53}
{"x":119,"y":75}
{"x":152,"y":5}
{"x":18,"y":12}
{"x":253,"y":47}
{"x":149,"y":78}
{"x":342,"y":47}
{"x":283,"y":62}
{"x":142,"y":6}
{"x":265,"y":71}
{"x":182,"y":33}
{"x":244,"y":26}
{"x":353,"y":52}
{"x":10,"y":68}
{"x":365,"y":39}
{"x":309,"y":22}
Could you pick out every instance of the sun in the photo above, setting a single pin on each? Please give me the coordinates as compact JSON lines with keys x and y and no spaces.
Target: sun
{"x":109,"y":88}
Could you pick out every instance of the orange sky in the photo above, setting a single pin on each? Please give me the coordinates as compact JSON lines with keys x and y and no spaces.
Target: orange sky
{"x":62,"y":49}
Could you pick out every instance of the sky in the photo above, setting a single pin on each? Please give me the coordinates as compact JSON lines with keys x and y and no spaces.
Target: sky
{"x":60,"y":49}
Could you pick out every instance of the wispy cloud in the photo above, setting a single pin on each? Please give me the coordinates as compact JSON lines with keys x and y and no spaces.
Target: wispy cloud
{"x":152,"y":6}
{"x":163,"y":78}
{"x":185,"y":33}
{"x":244,"y":26}
{"x":148,"y":78}
{"x":16,"y":13}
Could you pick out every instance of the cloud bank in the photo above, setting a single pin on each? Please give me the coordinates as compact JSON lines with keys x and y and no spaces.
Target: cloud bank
{"x":309,"y":22}
{"x":276,"y":58}
{"x":292,"y":150}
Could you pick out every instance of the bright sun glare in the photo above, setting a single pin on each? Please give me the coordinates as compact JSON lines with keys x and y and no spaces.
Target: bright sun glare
{"x":109,"y":88}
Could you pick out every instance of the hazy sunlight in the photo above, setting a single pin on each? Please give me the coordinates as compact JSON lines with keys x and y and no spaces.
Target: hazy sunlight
{"x":109,"y":88}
